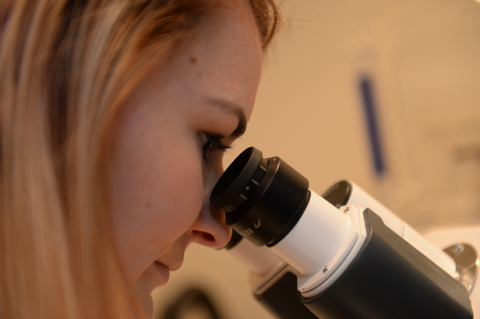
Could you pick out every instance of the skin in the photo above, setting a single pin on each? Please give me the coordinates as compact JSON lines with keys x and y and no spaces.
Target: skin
{"x":159,"y":177}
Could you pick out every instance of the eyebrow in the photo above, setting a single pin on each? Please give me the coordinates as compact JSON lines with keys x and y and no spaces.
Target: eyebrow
{"x":237,"y":111}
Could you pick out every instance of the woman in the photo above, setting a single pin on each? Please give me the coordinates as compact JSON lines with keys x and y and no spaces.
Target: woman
{"x":113,"y":118}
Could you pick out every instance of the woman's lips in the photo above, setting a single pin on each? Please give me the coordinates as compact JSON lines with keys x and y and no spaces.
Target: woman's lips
{"x":164,"y":269}
{"x":171,"y":265}
{"x":163,"y":274}
{"x":175,"y":266}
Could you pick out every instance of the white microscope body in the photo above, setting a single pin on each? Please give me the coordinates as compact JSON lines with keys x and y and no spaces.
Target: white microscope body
{"x":343,"y":254}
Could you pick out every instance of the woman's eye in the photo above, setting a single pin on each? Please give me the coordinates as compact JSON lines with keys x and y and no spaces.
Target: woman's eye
{"x":211,"y":143}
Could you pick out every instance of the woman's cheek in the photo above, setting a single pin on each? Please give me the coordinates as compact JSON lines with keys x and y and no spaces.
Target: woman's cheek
{"x":212,"y":172}
{"x":190,"y":192}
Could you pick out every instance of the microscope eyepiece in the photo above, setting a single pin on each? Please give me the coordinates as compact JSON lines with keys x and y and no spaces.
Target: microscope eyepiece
{"x":239,"y":180}
{"x":262,"y":198}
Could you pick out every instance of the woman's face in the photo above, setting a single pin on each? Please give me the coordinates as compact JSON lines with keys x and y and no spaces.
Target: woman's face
{"x":165,"y":154}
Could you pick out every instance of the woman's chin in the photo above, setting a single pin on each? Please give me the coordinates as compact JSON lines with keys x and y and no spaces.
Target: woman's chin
{"x":147,"y":304}
{"x":154,"y":276}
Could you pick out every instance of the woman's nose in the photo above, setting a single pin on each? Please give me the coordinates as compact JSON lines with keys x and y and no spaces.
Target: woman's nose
{"x":210,"y":228}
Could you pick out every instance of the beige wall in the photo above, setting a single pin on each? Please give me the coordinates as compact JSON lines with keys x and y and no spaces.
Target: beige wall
{"x":423,"y":57}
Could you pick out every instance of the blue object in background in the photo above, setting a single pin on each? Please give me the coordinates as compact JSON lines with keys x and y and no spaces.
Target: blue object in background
{"x":369,"y":107}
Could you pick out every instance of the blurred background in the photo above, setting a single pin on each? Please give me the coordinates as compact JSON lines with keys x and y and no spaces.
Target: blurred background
{"x":384,"y":93}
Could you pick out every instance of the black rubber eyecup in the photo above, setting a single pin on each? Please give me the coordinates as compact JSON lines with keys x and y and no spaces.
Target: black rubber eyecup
{"x":235,"y":178}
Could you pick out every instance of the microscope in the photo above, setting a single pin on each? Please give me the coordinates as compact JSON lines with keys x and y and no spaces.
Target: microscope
{"x":342,"y":255}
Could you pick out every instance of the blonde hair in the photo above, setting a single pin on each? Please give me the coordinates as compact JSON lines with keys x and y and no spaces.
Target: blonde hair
{"x":66,"y":67}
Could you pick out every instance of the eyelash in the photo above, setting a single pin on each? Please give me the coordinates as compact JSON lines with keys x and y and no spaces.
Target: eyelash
{"x":212,"y":145}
